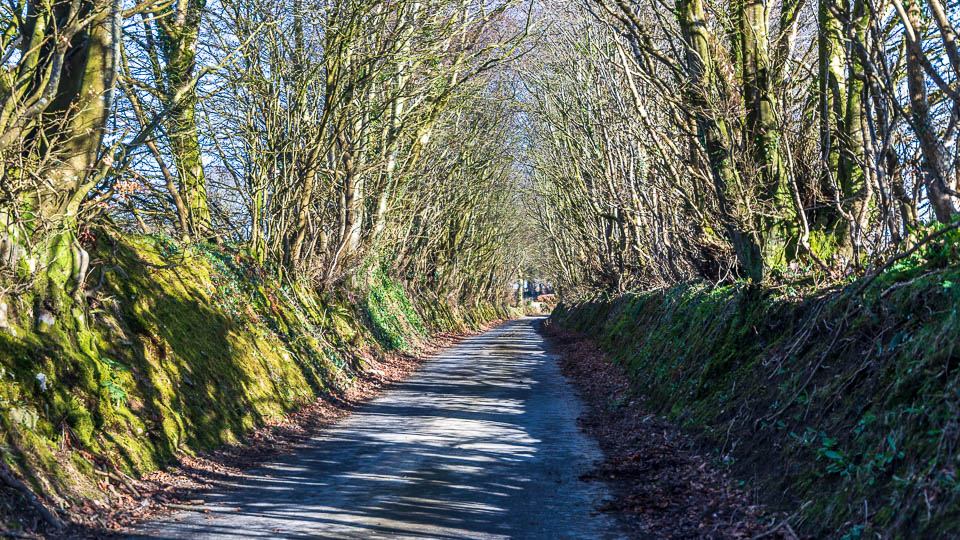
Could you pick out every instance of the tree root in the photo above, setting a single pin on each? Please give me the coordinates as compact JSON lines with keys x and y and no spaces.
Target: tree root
{"x":9,"y":252}
{"x":7,"y":477}
{"x":81,"y":265}
{"x":119,"y":477}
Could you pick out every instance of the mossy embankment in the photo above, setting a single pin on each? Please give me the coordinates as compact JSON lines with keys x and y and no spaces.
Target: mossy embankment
{"x":183,"y":348}
{"x":842,"y":406}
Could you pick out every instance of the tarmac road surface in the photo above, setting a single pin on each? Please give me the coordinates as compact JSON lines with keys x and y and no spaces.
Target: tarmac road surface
{"x":482,"y":442}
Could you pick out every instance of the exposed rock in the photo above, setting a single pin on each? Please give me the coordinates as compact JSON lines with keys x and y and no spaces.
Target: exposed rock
{"x":45,"y":320}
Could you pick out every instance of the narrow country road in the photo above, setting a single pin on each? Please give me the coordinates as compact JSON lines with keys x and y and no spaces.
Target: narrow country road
{"x":482,"y":442}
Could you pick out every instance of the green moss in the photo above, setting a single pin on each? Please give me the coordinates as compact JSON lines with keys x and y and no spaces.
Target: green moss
{"x":391,"y":313}
{"x":836,"y":402}
{"x":824,"y":245}
{"x":81,"y":421}
{"x":185,"y":348}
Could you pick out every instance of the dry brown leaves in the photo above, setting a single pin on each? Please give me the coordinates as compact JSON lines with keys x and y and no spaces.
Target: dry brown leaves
{"x":662,"y":487}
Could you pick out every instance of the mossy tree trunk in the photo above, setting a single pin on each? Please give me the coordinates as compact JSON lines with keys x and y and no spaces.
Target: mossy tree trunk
{"x":179,"y":33}
{"x":715,"y":137}
{"x":72,"y":72}
{"x":841,"y":138}
{"x":853,"y":180}
{"x":778,"y":225}
{"x":343,"y":25}
{"x":65,"y":144}
{"x":400,"y":77}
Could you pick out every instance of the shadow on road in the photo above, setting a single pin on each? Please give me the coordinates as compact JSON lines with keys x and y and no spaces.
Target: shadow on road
{"x":482,"y":443}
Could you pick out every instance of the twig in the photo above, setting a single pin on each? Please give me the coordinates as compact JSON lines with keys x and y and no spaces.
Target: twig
{"x":119,"y":478}
{"x":15,"y":534}
{"x":903,"y":284}
{"x":813,"y":372}
{"x":103,"y":276}
{"x":785,"y":522}
{"x":926,"y":239}
{"x":190,"y":507}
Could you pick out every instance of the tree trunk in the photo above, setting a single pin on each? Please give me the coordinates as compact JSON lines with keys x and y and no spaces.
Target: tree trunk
{"x":832,"y":77}
{"x":934,"y":173}
{"x":854,"y":185}
{"x":72,"y":145}
{"x":713,"y":132}
{"x":778,"y":224}
{"x":179,"y":33}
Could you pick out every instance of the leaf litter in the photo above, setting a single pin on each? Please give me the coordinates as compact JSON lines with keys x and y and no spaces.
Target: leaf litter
{"x":662,"y":484}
